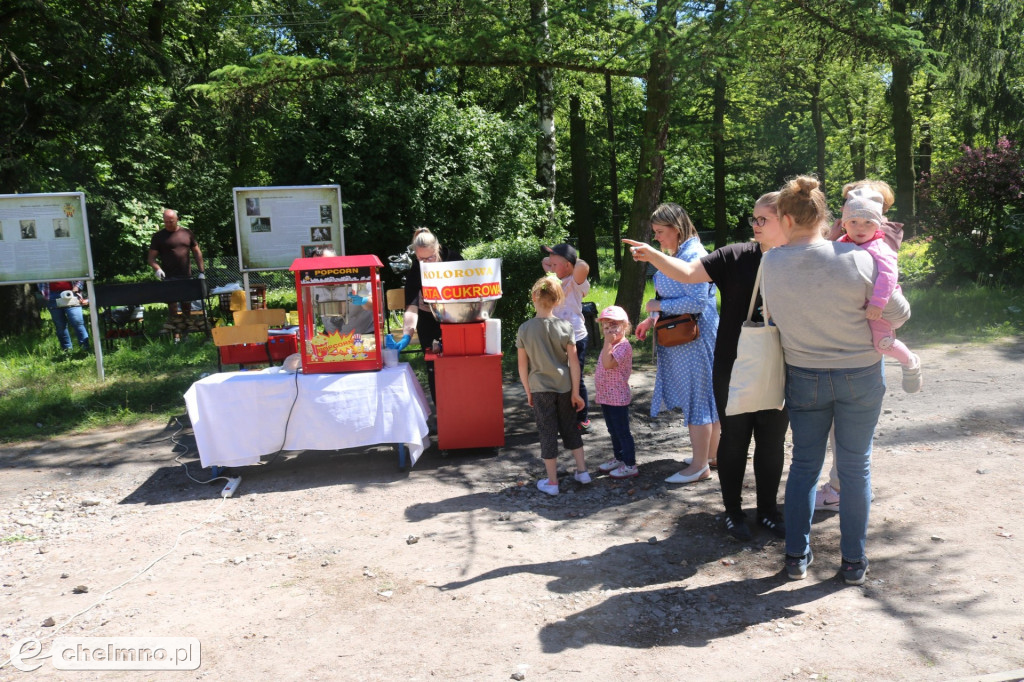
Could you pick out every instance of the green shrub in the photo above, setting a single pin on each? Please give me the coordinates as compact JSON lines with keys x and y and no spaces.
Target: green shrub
{"x":972,"y":210}
{"x":915,"y":261}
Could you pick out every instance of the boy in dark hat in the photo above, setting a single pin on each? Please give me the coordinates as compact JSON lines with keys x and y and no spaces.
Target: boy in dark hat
{"x":561,"y":261}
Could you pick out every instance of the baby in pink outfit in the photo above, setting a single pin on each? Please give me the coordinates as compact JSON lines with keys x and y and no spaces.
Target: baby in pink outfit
{"x":887,"y":309}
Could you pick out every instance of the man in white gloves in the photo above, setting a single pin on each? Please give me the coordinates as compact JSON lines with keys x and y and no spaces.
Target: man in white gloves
{"x":173,"y":246}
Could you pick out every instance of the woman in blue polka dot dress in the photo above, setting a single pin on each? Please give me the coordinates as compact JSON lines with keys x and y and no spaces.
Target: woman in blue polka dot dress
{"x":683,"y":378}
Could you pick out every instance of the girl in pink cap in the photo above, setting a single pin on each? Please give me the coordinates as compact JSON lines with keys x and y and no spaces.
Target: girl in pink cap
{"x":611,"y":381}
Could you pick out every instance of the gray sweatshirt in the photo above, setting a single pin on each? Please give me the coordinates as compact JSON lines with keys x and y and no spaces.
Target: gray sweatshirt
{"x":816,"y":294}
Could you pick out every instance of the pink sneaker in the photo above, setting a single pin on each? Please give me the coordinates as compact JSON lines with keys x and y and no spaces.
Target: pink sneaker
{"x":826,"y":498}
{"x":610,"y":465}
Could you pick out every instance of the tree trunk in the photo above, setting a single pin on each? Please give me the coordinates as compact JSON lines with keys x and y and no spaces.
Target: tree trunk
{"x":718,"y":158}
{"x":924,"y":147}
{"x":858,"y":150}
{"x":583,"y":215}
{"x":718,"y":104}
{"x":545,"y":87}
{"x":650,"y":170}
{"x":819,"y":133}
{"x":613,"y":173}
{"x":19,"y":312}
{"x":903,"y":133}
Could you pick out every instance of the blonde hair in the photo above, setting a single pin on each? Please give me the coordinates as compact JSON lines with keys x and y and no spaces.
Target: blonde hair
{"x":880,"y":186}
{"x":674,"y":215}
{"x":549,"y":290}
{"x":769,"y":200}
{"x":422,"y":238}
{"x":802,"y":200}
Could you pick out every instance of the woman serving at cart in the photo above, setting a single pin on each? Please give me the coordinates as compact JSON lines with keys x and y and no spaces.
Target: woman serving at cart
{"x":418,"y":316}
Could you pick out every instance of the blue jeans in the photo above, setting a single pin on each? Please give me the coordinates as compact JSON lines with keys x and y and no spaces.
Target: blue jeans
{"x":64,"y":317}
{"x":581,"y":353}
{"x":616,"y":418}
{"x":815,"y":398}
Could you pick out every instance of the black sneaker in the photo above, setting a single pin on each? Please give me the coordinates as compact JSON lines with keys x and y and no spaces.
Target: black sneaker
{"x":774,"y":523}
{"x":736,"y":526}
{"x":854,"y":571}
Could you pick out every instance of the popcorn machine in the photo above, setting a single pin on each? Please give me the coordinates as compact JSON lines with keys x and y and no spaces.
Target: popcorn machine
{"x":340,"y":302}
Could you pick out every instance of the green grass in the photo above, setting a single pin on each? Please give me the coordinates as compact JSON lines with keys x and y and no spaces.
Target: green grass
{"x":965,"y":314}
{"x":43,"y":395}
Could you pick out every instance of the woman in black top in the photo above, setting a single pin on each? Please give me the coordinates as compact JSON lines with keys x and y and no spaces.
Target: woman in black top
{"x":418,"y":316}
{"x":733,"y":269}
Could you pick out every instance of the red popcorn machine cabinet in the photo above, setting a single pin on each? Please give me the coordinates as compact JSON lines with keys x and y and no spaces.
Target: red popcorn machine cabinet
{"x":467,"y":369}
{"x":340,"y":313}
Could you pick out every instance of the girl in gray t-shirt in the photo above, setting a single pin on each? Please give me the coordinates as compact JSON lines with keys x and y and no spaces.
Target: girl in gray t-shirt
{"x":549,"y":371}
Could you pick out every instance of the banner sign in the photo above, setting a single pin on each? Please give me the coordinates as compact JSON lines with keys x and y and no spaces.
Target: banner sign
{"x":464,"y":280}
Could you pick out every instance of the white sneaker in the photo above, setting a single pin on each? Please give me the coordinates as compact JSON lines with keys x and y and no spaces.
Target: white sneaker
{"x":546,"y":486}
{"x":826,"y":498}
{"x":582,"y":477}
{"x":610,"y":464}
{"x":912,"y":377}
{"x":624,"y":471}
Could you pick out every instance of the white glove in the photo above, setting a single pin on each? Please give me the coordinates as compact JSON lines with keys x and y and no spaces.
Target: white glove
{"x":160,"y":274}
{"x":201,"y":275}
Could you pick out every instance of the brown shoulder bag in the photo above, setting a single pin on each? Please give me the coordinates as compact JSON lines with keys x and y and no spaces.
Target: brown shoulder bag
{"x":676,"y":330}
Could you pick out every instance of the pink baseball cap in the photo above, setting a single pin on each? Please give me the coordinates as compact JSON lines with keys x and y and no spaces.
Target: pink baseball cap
{"x":614,"y":313}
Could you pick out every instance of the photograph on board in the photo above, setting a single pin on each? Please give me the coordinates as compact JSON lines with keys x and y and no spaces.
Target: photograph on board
{"x":28,"y":229}
{"x":61,"y":229}
{"x":326,"y":213}
{"x":252,"y":206}
{"x":320,"y":234}
{"x":259,"y":224}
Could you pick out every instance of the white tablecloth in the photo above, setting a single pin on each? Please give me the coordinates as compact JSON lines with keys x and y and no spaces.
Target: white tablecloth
{"x":238,"y":417}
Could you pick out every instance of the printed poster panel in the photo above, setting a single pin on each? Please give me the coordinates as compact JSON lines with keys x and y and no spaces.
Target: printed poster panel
{"x":276,"y":225}
{"x":43,"y":238}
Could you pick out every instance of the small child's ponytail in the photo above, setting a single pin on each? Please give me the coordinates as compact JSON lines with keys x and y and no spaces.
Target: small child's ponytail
{"x":548,"y":289}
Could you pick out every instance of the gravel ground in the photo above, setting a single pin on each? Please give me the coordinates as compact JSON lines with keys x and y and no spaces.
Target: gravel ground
{"x":336,"y":566}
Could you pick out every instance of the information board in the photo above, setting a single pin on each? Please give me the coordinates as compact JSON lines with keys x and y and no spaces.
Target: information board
{"x":276,"y":225}
{"x":44,"y":238}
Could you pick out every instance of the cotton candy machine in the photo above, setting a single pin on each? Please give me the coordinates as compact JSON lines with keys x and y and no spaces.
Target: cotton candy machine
{"x":462,"y":296}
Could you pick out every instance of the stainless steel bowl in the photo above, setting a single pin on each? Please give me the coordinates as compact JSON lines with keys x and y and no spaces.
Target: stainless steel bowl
{"x":463,"y":311}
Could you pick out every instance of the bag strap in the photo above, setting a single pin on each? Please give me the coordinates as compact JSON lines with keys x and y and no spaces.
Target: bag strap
{"x":757,"y":288}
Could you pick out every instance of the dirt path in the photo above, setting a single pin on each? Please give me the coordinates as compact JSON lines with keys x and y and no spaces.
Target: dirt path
{"x":335,"y":566}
